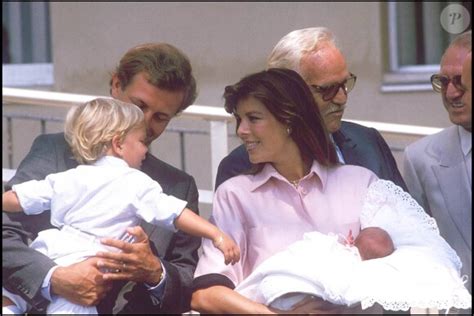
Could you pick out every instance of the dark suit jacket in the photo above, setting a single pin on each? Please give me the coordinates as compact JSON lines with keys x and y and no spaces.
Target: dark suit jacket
{"x":24,"y":269}
{"x":360,"y":145}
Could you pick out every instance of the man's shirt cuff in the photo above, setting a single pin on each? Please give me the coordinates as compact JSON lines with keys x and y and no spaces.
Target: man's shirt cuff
{"x":46,"y":286}
{"x":158,"y":290}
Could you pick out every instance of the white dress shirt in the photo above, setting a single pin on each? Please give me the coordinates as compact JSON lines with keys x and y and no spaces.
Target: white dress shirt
{"x":93,"y":201}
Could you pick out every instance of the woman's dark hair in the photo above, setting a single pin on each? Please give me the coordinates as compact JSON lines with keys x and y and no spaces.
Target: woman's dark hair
{"x":286,"y":95}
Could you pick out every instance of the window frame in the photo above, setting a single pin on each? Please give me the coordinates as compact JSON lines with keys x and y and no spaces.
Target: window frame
{"x":24,"y":75}
{"x":36,"y":73}
{"x":403,"y":78}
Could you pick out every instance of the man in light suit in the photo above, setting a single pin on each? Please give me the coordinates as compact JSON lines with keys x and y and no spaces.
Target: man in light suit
{"x":437,"y":168}
{"x":160,"y":264}
{"x":313,"y":53}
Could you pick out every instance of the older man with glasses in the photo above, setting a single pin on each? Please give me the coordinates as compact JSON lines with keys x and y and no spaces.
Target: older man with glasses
{"x":312,"y":52}
{"x":437,"y":168}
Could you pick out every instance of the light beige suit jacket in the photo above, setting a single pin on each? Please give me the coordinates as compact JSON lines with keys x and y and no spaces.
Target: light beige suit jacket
{"x":436,"y":176}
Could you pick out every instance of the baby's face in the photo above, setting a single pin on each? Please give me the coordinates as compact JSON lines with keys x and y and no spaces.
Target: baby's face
{"x":134,"y":147}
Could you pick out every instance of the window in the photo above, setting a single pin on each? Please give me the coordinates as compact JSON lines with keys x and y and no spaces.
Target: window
{"x":416,"y":42}
{"x":27,"y":59}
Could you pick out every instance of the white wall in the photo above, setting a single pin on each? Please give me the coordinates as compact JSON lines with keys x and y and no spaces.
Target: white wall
{"x":226,"y":41}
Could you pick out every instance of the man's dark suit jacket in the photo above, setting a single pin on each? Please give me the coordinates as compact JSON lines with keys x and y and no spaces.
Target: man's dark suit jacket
{"x":360,"y":145}
{"x":24,"y":269}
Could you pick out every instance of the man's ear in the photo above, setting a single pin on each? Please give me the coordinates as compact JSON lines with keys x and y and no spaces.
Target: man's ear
{"x":115,"y":88}
{"x":117,"y":146}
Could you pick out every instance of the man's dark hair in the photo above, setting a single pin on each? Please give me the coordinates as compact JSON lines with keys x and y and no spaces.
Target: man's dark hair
{"x":165,"y":66}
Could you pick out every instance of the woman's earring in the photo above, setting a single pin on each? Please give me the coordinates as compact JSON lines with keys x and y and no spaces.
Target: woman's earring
{"x":288,"y":130}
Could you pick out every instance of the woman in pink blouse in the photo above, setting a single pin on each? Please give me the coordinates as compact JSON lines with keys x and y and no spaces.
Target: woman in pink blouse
{"x":296,"y":186}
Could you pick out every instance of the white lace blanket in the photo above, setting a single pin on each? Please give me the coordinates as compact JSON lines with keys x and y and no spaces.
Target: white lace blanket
{"x":423,"y":272}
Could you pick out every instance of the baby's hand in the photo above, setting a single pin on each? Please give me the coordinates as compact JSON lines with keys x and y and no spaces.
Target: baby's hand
{"x":228,"y":247}
{"x":349,"y":240}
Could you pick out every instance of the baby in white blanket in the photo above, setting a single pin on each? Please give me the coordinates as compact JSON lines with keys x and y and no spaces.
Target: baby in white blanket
{"x":413,"y":268}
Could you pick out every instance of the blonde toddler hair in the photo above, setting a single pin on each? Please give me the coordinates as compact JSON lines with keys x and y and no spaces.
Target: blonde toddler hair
{"x":90,"y":127}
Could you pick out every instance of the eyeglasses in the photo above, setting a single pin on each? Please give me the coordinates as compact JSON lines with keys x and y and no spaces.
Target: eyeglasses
{"x":440,"y":82}
{"x":329,"y":92}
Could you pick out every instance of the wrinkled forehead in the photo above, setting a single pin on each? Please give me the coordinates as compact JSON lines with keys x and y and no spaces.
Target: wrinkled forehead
{"x":325,"y":66}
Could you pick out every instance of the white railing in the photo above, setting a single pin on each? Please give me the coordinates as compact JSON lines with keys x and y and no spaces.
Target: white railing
{"x":393,"y":128}
{"x":217,"y":118}
{"x":7,"y":174}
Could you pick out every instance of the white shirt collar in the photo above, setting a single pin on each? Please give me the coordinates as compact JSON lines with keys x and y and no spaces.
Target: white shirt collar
{"x":269,"y":172}
{"x":110,"y":161}
{"x":465,"y":138}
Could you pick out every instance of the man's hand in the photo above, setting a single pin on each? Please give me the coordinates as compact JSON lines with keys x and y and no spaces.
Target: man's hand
{"x":136,"y":262}
{"x":81,"y":283}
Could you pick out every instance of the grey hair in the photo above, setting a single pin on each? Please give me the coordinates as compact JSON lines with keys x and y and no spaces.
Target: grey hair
{"x":288,"y":52}
{"x":463,"y":40}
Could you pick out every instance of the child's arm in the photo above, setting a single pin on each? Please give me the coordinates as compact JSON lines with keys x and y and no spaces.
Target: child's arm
{"x":195,"y":225}
{"x":11,"y":203}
